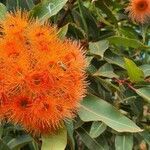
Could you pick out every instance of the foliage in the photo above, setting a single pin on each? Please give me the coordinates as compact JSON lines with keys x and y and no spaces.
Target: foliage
{"x":115,"y":113}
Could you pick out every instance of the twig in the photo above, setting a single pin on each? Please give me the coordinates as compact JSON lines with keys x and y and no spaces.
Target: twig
{"x":125,"y":82}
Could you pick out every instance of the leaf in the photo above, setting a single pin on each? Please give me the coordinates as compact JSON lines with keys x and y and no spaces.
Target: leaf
{"x":100,"y":16}
{"x":47,"y":9}
{"x":114,"y":59}
{"x":76,"y":31}
{"x":70,"y":131}
{"x":63,"y":31}
{"x":146,"y":136}
{"x":90,"y":142}
{"x":19,"y":142}
{"x":146,"y":69}
{"x":106,"y":71}
{"x":129,"y":32}
{"x":102,"y":5}
{"x":124,"y":142}
{"x":56,"y":141}
{"x":97,"y":128}
{"x":87,"y":21}
{"x":144,"y":92}
{"x":3,"y":11}
{"x":108,"y":85}
{"x":98,"y":48}
{"x":3,"y":145}
{"x":102,"y":139}
{"x":96,"y":109}
{"x":134,"y":72}
{"x":127,"y":42}
{"x":35,"y":146}
{"x":30,"y":4}
{"x":1,"y":131}
{"x":22,"y":4}
{"x":81,"y":10}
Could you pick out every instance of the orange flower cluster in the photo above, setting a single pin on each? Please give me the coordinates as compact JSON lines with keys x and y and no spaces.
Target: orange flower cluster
{"x":139,"y":10}
{"x":42,"y":79}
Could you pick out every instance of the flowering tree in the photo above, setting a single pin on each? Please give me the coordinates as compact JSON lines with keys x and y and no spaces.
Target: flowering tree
{"x":74,"y":74}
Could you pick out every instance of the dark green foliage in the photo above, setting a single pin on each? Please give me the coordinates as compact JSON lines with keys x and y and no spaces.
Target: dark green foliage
{"x":115,"y":114}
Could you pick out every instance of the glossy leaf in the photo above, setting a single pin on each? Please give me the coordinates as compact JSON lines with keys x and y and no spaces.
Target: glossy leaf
{"x":47,"y":8}
{"x":96,"y":109}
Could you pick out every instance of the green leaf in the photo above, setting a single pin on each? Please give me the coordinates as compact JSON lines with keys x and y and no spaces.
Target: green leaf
{"x":47,"y":8}
{"x":81,"y":10}
{"x":3,"y":145}
{"x":127,"y":42}
{"x":144,"y":92}
{"x":114,"y":59}
{"x":146,"y":69}
{"x":63,"y":31}
{"x":76,"y":31}
{"x":97,"y":128}
{"x":90,"y":142}
{"x":106,"y":71}
{"x":3,"y":11}
{"x":98,"y":48}
{"x":19,"y":142}
{"x":108,"y":85}
{"x":124,"y":142}
{"x":102,"y":5}
{"x":22,"y":4}
{"x":96,"y":109}
{"x":57,"y":141}
{"x":87,"y":21}
{"x":30,"y":3}
{"x":102,"y":139}
{"x":1,"y":131}
{"x":134,"y":72}
{"x":70,"y":131}
{"x":102,"y":18}
{"x":146,"y":136}
{"x":128,"y":32}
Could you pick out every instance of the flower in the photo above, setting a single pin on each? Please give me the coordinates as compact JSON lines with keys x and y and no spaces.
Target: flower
{"x":41,"y":77}
{"x":20,"y":109}
{"x":139,"y":10}
{"x":15,"y":24}
{"x":3,"y":103}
